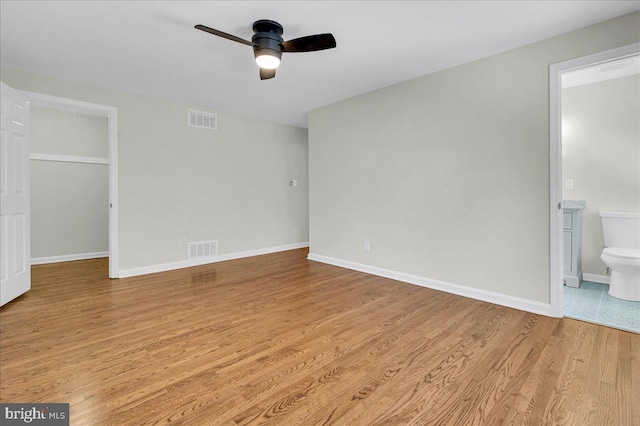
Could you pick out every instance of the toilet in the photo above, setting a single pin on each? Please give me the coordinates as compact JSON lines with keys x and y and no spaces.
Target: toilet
{"x":622,"y":253}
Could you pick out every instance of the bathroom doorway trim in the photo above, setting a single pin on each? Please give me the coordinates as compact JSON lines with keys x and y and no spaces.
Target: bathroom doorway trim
{"x":556,"y":291}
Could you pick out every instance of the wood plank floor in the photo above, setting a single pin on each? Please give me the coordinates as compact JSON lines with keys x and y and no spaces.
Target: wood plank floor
{"x":278,"y":339}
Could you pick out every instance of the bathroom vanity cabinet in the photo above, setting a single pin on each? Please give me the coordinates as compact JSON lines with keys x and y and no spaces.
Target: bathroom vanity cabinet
{"x":572,"y":241}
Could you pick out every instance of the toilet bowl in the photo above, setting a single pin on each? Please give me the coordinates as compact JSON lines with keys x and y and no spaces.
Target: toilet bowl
{"x":625,"y":272}
{"x":622,"y":253}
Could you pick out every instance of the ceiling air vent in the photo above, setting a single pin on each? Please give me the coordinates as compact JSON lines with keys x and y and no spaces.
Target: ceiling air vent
{"x":205,"y":120}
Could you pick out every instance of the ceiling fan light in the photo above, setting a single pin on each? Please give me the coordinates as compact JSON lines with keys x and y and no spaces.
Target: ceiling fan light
{"x":268,"y":62}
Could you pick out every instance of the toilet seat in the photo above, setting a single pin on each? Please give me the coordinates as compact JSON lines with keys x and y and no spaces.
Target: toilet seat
{"x":622,"y":253}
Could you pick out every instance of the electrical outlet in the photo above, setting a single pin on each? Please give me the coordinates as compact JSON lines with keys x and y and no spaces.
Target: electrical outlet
{"x":184,"y":243}
{"x":570,"y":184}
{"x":367,"y":246}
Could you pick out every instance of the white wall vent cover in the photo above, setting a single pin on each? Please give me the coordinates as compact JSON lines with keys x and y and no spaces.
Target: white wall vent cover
{"x":206,"y":120}
{"x":203,"y":249}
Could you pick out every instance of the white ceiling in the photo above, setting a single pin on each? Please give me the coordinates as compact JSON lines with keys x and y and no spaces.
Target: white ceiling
{"x":151,"y":47}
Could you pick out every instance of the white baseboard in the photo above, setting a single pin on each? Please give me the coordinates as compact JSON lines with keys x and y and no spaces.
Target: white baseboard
{"x":133,"y":272}
{"x":595,"y":278}
{"x":473,"y":293}
{"x":68,"y":257}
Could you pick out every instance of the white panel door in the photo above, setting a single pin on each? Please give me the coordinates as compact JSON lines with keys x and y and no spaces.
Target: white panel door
{"x":15,"y":249}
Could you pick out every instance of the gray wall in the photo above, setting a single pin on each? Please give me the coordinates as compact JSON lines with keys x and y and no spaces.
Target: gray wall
{"x":69,"y":201}
{"x":178,"y":182}
{"x":601,"y":153}
{"x":447,"y":175}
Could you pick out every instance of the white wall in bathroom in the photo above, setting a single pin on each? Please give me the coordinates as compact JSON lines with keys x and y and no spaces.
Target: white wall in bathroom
{"x":601,"y":154}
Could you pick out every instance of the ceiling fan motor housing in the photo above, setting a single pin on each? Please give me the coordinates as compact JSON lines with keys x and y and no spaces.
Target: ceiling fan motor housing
{"x":267,"y":39}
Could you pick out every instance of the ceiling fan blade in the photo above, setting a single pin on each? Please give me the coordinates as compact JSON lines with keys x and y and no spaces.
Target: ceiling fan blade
{"x":310,"y":43}
{"x":267,"y":74}
{"x":223,"y":35}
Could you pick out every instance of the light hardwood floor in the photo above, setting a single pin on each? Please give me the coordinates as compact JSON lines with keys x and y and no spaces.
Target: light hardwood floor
{"x":278,"y":339}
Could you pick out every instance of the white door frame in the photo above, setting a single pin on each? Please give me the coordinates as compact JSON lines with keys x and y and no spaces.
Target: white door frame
{"x":47,"y":101}
{"x":556,"y":291}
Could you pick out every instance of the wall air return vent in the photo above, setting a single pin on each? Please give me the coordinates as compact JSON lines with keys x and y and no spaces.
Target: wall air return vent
{"x":205,"y":120}
{"x":203,"y":249}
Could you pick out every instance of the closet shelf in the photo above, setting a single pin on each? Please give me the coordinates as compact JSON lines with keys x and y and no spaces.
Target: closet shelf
{"x":68,"y":158}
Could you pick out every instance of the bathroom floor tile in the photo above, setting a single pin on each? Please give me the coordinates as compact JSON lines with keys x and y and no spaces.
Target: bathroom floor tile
{"x":591,"y":302}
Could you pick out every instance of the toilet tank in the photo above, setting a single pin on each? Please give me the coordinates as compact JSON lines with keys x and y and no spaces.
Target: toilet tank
{"x":621,"y":229}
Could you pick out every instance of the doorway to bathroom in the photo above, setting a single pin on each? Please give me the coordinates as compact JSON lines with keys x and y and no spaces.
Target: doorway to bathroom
{"x":595,"y":167}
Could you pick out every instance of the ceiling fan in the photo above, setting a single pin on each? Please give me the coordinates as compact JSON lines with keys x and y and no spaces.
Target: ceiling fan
{"x":268,"y":44}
